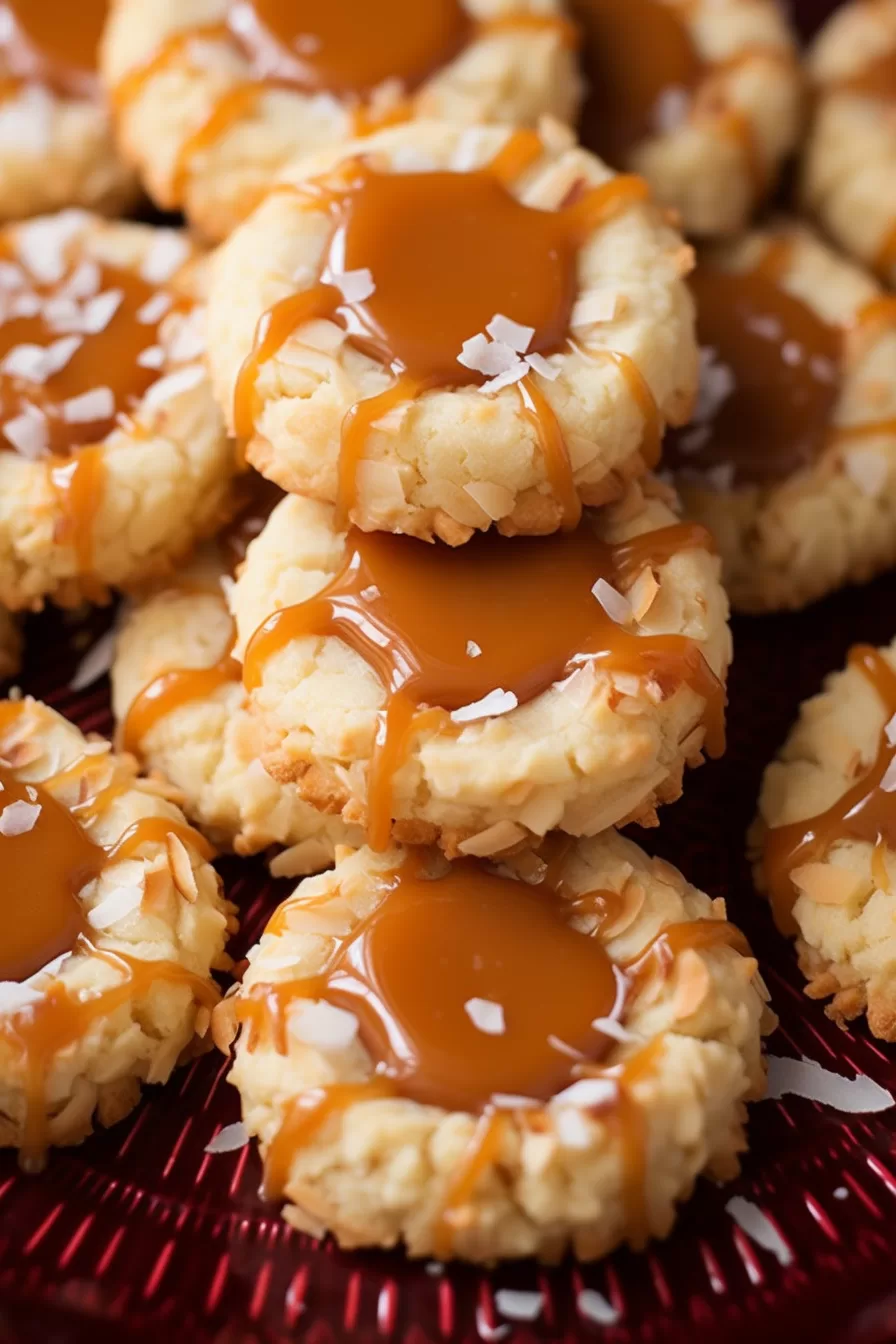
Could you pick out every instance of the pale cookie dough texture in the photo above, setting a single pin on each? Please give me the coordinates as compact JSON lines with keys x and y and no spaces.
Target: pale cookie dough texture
{"x":209,"y":747}
{"x":592,"y":751}
{"x":849,"y":169}
{"x":459,"y":459}
{"x":58,"y":151}
{"x":165,"y":474}
{"x":845,"y":908}
{"x":181,"y":918}
{"x":378,"y":1172}
{"x":510,"y":76}
{"x":716,"y":154}
{"x":786,"y":544}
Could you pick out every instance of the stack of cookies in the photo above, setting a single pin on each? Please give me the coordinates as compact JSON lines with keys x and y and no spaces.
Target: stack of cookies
{"x":414,"y":608}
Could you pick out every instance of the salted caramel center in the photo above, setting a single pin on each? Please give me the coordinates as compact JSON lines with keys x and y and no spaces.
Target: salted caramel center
{"x":770,"y":380}
{"x":46,"y":859}
{"x":447,"y":628}
{"x":53,"y":41}
{"x":446,"y":252}
{"x":473,"y":984}
{"x":641,"y":67}
{"x":76,"y":353}
{"x":349,"y":47}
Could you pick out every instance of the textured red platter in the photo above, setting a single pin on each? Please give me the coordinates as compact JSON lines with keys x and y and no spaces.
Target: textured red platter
{"x":138,"y":1234}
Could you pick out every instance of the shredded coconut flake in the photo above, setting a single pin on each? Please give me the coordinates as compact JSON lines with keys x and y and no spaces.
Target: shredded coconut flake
{"x":98,"y":313}
{"x":598,"y":306}
{"x":487,"y":357}
{"x":805,"y":1078}
{"x":474,"y":651}
{"x":323,"y":1026}
{"x":14,"y":997}
{"x":42,"y":244}
{"x":57,"y":355}
{"x":25,"y":361}
{"x":154,"y":309}
{"x":496,"y":702}
{"x":355,"y":286}
{"x":468,"y":150}
{"x":507,"y":332}
{"x":610,"y":1027}
{"x":595,"y":1307}
{"x":153,"y":357}
{"x":759,"y":1228}
{"x":890,"y":731}
{"x":571,"y":1128}
{"x":494,"y":500}
{"x":174,"y":385}
{"x":888,"y":781}
{"x":19,"y":818}
{"x":229,"y":1139}
{"x":188,"y":342}
{"x":167,"y":254}
{"x":510,"y":1101}
{"x":83,"y":282}
{"x":490,"y":1333}
{"x":95,"y":663}
{"x":617,"y":607}
{"x":538,"y":364}
{"x":28,"y":433}
{"x":410,"y":159}
{"x":513,"y":375}
{"x":120,"y":903}
{"x":486,"y":1016}
{"x":97,"y":404}
{"x":518,"y":1305}
{"x":587,"y":1092}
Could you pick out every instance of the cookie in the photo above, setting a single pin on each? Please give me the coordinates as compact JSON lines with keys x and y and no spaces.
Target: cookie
{"x":849,"y":166}
{"x":114,"y":457}
{"x":825,"y":840}
{"x":791,"y":456}
{"x":114,"y":920}
{"x":180,"y":706}
{"x":476,"y":696}
{"x":57,"y":147}
{"x":704,"y":99}
{"x":213,"y":97}
{"x":452,"y":329}
{"x":599,"y":1030}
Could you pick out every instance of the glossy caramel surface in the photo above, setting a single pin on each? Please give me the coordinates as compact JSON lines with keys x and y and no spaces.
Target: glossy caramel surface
{"x":53,"y":42}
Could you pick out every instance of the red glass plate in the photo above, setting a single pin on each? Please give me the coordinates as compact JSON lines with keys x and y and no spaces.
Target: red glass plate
{"x":138,"y":1234}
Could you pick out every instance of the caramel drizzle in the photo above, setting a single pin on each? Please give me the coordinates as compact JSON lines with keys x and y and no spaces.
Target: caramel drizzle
{"x":777,"y":420}
{"x":411,"y":679}
{"x":591,"y":209}
{"x":241,"y":100}
{"x":41,"y":1030}
{"x":263,"y":1013}
{"x":170,"y":691}
{"x":864,"y":812}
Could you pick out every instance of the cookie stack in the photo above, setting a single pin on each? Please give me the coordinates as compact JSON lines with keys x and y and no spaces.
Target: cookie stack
{"x":412,"y":597}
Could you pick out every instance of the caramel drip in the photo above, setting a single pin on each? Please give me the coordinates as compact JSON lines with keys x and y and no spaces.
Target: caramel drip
{"x":171,"y":691}
{"x":165,"y":58}
{"x":53,"y":42}
{"x":783,"y":366}
{"x":47,"y":865}
{"x":659,"y":956}
{"x":412,"y":613}
{"x":865,"y":811}
{"x":481,"y":1156}
{"x":630,"y":1123}
{"x":58,"y":1020}
{"x":237,"y":104}
{"x":79,"y":484}
{"x":460,"y":248}
{"x":303,"y":1120}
